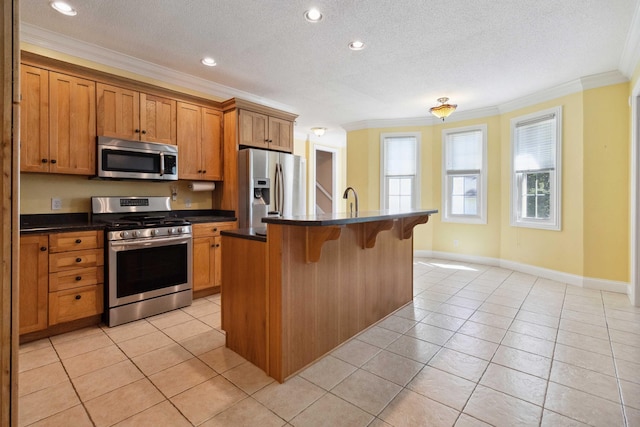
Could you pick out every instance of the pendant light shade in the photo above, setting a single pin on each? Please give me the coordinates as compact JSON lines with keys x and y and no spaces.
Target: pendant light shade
{"x":443,"y":110}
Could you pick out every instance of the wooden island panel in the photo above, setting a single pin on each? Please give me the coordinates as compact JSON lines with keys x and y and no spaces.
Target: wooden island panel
{"x":313,"y":283}
{"x":317,"y":306}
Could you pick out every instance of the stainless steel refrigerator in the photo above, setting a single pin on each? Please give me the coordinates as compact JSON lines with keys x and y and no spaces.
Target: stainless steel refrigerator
{"x":270,"y":184}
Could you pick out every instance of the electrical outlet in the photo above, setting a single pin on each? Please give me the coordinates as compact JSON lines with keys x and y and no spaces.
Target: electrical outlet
{"x":56,"y":204}
{"x":455,"y":243}
{"x":187,"y":203}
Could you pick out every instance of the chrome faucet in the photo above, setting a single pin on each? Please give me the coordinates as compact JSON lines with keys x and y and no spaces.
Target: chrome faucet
{"x":355,"y":196}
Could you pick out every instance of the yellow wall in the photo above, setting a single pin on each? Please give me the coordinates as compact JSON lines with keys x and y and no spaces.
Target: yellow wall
{"x":36,"y":191}
{"x":555,"y":250}
{"x":593,"y":241}
{"x":606,"y":182}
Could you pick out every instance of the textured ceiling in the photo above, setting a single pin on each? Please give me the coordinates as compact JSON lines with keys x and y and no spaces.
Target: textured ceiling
{"x":478,"y":53}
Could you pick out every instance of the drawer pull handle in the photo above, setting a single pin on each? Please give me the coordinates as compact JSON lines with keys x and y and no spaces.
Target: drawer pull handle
{"x":43,"y":248}
{"x":215,"y":229}
{"x":78,"y":241}
{"x":78,"y":278}
{"x":78,"y":296}
{"x":78,"y":259}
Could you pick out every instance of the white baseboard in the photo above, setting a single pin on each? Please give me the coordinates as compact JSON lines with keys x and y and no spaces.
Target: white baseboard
{"x":558,"y":276}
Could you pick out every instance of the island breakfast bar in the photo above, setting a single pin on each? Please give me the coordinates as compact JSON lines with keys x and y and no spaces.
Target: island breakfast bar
{"x":312,"y":283}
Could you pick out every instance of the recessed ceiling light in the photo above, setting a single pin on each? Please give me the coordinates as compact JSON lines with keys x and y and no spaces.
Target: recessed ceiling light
{"x":64,"y":8}
{"x":313,"y":15}
{"x":209,"y":62}
{"x":356,"y":45}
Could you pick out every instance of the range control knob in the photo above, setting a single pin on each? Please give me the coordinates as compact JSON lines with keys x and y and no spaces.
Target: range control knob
{"x":180,"y":230}
{"x":171,"y":231}
{"x":154,"y":232}
{"x":135,"y":233}
{"x":124,"y":234}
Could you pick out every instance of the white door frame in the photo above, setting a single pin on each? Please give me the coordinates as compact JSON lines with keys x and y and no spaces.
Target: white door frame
{"x":634,"y":288}
{"x":334,"y":181}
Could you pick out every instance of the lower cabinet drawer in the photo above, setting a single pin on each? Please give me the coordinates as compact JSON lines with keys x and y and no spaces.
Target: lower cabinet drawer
{"x":73,"y":304}
{"x":75,"y":278}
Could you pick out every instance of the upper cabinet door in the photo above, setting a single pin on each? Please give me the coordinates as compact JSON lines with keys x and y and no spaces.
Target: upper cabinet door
{"x":157,"y":119}
{"x":34,"y":119}
{"x":72,"y":125}
{"x":118,"y":112}
{"x":280,"y":134}
{"x":189,"y":135}
{"x":254,"y":129}
{"x":211,"y":149}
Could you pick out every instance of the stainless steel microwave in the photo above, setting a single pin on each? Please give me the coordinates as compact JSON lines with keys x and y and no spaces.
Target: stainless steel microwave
{"x":123,"y":159}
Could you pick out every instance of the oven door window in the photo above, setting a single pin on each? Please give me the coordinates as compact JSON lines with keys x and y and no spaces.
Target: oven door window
{"x":130,"y":161}
{"x":148,"y":269}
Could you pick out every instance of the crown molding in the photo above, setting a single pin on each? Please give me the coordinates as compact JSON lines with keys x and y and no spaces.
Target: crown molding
{"x":603,"y":79}
{"x":56,"y":42}
{"x":630,"y":58}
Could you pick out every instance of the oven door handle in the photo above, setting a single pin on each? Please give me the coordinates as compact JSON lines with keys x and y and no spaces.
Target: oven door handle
{"x":152,"y":242}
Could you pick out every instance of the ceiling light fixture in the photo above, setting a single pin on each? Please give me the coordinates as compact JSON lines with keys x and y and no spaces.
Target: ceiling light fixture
{"x":356,"y":45}
{"x":313,"y":15}
{"x":64,"y":8}
{"x":319,"y":131}
{"x":209,"y":62}
{"x":443,"y":110}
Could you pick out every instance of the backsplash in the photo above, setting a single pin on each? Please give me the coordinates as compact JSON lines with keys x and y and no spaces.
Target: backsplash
{"x":75,"y":192}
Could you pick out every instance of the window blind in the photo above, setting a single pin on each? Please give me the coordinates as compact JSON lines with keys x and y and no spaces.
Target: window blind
{"x":400,"y":155}
{"x":535,"y":144}
{"x":464,"y":151}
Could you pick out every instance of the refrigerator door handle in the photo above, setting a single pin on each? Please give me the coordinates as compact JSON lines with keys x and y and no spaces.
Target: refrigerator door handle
{"x":277,"y":189}
{"x":281,"y":185}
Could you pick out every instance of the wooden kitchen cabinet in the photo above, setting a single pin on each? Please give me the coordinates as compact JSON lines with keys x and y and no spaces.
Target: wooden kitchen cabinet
{"x":264,"y":131}
{"x":76,"y":275}
{"x":199,"y":141}
{"x":58,"y":123}
{"x":34,"y":258}
{"x":207,"y":256}
{"x":133,"y":115}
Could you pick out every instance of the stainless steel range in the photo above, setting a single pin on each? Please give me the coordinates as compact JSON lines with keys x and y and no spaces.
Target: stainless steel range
{"x":148,"y":257}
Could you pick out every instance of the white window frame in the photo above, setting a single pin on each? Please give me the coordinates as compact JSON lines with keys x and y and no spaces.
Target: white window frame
{"x":383,"y":179}
{"x":554,"y":222}
{"x":481,"y":217}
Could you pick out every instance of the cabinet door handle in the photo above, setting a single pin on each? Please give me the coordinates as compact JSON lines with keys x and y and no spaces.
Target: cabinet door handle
{"x":78,"y":241}
{"x":44,"y":160}
{"x":137,"y":131}
{"x":204,"y":171}
{"x":78,"y":259}
{"x":78,"y":278}
{"x":213,"y":246}
{"x":78,"y":296}
{"x":144,"y":132}
{"x":217,"y":245}
{"x":215,"y":229}
{"x":43,"y":248}
{"x":200,"y":171}
{"x":54,"y":161}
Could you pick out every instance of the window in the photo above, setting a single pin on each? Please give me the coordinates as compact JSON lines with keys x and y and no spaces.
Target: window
{"x":399,"y":186}
{"x":464,"y":181}
{"x":536,"y":177}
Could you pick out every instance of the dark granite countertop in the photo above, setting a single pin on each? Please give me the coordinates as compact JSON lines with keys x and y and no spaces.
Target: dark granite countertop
{"x":345,"y":218}
{"x":258,"y":234}
{"x":63,"y":222}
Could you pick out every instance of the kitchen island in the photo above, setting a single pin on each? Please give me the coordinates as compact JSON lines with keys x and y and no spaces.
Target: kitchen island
{"x":313,"y":283}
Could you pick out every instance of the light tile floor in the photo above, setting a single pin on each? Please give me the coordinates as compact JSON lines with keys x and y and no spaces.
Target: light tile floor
{"x":478,"y":346}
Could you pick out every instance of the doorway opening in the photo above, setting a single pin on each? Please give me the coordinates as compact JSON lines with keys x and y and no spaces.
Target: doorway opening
{"x":324,"y":189}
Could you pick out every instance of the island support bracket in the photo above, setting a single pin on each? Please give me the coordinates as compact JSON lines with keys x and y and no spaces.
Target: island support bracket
{"x":315,"y":238}
{"x":407,"y":225}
